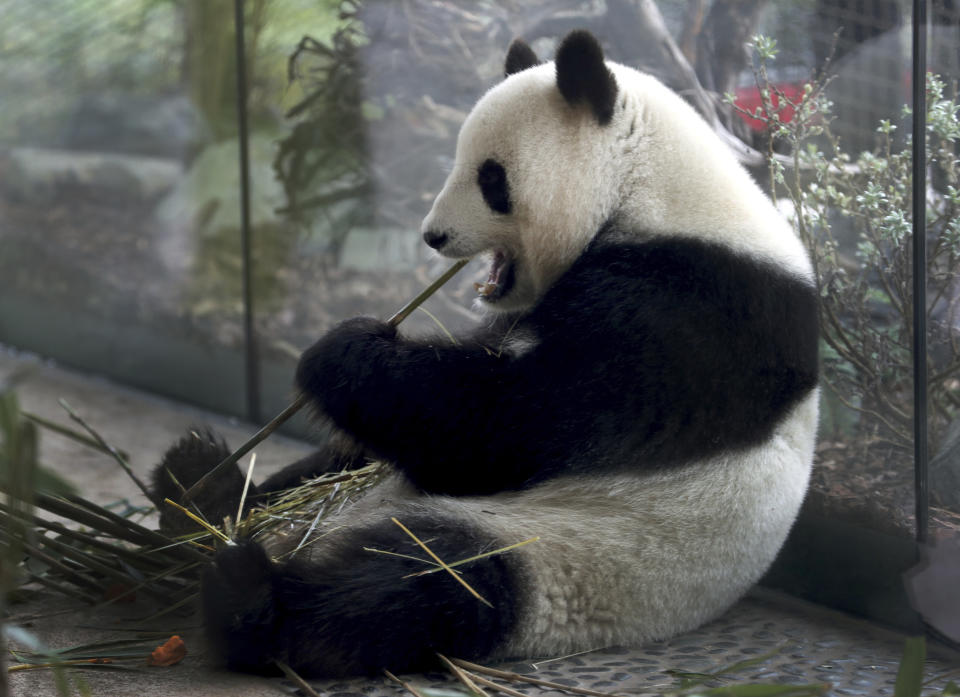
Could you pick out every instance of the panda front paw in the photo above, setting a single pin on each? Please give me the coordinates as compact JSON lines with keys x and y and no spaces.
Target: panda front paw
{"x":331,"y":369}
{"x":239,"y":608}
{"x":183,"y":465}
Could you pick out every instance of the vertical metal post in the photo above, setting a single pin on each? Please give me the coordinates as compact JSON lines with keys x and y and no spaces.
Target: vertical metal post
{"x":919,"y":82}
{"x":251,"y":359}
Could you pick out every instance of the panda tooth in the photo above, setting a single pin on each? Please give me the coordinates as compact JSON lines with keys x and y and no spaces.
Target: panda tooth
{"x":485,"y":289}
{"x":493,"y":277}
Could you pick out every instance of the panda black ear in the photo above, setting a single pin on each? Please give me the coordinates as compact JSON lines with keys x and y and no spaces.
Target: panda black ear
{"x":519,"y":57}
{"x":582,"y":76}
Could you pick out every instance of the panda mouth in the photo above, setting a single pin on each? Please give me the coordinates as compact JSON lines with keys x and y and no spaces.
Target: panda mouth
{"x":500,"y":278}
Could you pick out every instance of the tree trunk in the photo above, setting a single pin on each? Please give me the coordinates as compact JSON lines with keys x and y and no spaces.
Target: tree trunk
{"x":210,"y":63}
{"x":722,"y":51}
{"x":692,"y":26}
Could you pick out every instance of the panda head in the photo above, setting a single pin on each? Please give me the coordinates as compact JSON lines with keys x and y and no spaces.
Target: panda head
{"x":532,"y":179}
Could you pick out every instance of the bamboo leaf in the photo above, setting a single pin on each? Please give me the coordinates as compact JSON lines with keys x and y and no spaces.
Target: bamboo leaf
{"x":88,"y":664}
{"x":910,"y":675}
{"x":114,"y":453}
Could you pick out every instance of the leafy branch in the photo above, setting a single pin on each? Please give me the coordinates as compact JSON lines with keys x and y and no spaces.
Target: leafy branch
{"x":853,"y":213}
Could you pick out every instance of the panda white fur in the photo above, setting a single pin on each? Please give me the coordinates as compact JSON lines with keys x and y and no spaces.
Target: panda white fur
{"x":643,"y":399}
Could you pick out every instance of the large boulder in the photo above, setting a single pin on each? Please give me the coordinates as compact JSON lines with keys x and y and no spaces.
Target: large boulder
{"x":38,"y":175}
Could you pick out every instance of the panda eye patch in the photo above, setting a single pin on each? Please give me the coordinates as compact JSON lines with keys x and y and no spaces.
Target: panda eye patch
{"x":492,"y":180}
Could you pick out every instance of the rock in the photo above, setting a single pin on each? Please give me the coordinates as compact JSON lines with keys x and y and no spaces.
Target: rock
{"x":35,"y":175}
{"x":136,"y":124}
{"x":209,"y":196}
{"x":381,"y":249}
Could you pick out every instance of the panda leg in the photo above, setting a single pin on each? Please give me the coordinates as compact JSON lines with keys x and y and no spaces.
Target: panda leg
{"x":200,"y":450}
{"x":184,"y":463}
{"x":339,"y":453}
{"x":350,"y":611}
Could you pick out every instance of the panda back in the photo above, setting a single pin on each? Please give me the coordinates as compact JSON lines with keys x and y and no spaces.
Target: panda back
{"x":684,"y":181}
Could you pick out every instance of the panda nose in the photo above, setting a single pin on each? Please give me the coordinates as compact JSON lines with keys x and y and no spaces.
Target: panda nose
{"x":435,"y":239}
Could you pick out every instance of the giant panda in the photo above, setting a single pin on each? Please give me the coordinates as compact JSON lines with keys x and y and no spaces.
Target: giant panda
{"x":642,"y":397}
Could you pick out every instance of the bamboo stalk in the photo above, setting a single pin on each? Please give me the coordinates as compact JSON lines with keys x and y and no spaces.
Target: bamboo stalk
{"x":70,"y":575}
{"x":302,"y":399}
{"x":76,"y":509}
{"x":296,"y":679}
{"x":199,"y":521}
{"x":442,"y":563}
{"x":69,"y":433}
{"x":517,"y":677}
{"x":480,"y":680}
{"x":68,"y":591}
{"x":90,"y":562}
{"x":114,"y":453}
{"x":246,"y":487}
{"x":468,"y":560}
{"x":85,"y":538}
{"x":83,"y":559}
{"x":463,"y":676}
{"x":407,"y":686}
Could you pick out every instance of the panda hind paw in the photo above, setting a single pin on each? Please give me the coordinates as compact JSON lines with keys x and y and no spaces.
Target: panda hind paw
{"x":183,"y":465}
{"x":239,"y":608}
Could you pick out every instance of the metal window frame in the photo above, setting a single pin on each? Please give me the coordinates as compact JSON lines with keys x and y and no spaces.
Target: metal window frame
{"x":920,"y":445}
{"x":250,"y":340}
{"x":833,"y":562}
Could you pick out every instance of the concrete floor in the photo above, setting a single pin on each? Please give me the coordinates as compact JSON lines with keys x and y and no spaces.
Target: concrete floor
{"x":809,"y":644}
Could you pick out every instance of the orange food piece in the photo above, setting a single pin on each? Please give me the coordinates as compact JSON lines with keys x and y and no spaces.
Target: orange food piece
{"x":169,"y":653}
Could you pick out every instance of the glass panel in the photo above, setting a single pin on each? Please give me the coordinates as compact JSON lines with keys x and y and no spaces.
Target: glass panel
{"x":824,"y":101}
{"x":845,"y":182}
{"x":379,"y":93}
{"x":346,"y":178}
{"x":118,"y":192}
{"x":943,"y":235}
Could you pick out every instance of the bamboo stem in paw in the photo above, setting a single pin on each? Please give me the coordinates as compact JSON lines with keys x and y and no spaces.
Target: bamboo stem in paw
{"x":408,"y":309}
{"x":301,"y":400}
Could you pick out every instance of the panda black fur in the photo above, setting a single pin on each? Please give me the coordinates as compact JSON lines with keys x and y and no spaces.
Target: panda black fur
{"x":643,"y":399}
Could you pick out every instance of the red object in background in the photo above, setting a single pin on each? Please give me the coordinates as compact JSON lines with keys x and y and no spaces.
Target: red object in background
{"x":749,"y":98}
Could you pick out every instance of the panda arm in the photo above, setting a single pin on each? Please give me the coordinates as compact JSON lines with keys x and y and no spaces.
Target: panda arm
{"x":687,"y":348}
{"x":645,"y":355}
{"x":457,"y":418}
